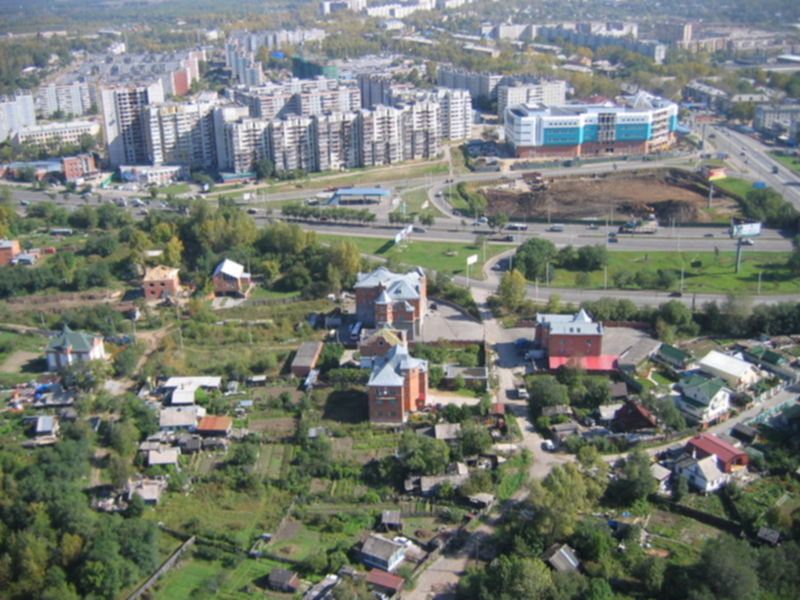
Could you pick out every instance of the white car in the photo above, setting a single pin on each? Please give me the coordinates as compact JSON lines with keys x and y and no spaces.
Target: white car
{"x":522,"y":392}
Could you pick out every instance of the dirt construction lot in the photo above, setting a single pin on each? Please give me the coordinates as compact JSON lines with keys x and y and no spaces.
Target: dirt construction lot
{"x":667,"y":193}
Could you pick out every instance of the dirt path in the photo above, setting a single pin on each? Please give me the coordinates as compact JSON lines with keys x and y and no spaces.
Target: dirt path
{"x":14,"y":363}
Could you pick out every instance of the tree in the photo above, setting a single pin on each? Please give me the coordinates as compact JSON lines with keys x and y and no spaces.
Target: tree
{"x":498,"y":221}
{"x":263,"y":168}
{"x":474,"y":439}
{"x":533,"y":256}
{"x":173,"y":252}
{"x":637,"y":482}
{"x":545,"y":391}
{"x":423,"y":455}
{"x":511,"y":289}
{"x":592,"y":258}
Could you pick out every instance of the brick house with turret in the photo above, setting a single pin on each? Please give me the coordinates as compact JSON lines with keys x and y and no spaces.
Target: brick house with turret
{"x":390,"y":299}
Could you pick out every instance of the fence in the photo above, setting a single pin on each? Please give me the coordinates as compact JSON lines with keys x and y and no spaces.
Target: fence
{"x":166,"y":566}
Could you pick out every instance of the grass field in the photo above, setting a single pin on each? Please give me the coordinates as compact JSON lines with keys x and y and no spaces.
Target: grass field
{"x":446,"y":257}
{"x":178,"y":188}
{"x":211,"y":577}
{"x":354,"y":177}
{"x":790,"y":162}
{"x":221,"y":511}
{"x":703,"y":271}
{"x":734,"y":185}
{"x":415,"y":198}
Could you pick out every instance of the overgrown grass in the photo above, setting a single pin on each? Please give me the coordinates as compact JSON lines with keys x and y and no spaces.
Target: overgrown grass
{"x":704,"y":272}
{"x":790,"y":162}
{"x":446,"y":257}
{"x":734,"y":185}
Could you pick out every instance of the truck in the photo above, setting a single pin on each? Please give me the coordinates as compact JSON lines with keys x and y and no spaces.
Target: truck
{"x":650,"y":226}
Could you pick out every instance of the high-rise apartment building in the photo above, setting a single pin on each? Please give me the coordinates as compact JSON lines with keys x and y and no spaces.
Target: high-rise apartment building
{"x":291,"y":145}
{"x":456,"y":113}
{"x":548,"y":93}
{"x":181,"y":134}
{"x":70,"y":98}
{"x":16,"y":112}
{"x":335,"y":138}
{"x":379,"y":136}
{"x":124,"y":124}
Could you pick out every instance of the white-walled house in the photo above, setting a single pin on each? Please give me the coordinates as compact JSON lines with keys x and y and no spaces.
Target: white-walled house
{"x":69,"y":347}
{"x":702,"y":474}
{"x":737,"y":374}
{"x":703,"y":399}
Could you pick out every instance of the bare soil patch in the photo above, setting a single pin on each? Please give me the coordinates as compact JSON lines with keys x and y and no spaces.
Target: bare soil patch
{"x":15,"y":362}
{"x":281,"y":425}
{"x":667,"y":193}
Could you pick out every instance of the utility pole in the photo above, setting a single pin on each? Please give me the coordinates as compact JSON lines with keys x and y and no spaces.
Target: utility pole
{"x":759,"y":283}
{"x":710,"y":194}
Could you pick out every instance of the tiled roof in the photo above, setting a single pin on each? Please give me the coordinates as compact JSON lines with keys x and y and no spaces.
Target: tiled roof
{"x":711,"y":444}
{"x":213,"y":423}
{"x":384,"y":579}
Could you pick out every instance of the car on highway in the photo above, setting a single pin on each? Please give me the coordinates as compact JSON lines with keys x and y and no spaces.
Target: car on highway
{"x":708,"y":235}
{"x":775,"y":170}
{"x":416,"y":229}
{"x":748,"y":242}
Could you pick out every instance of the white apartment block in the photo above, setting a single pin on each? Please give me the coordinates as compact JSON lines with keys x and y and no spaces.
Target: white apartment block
{"x":421,"y":129}
{"x":245,"y":68}
{"x":249,"y":142}
{"x":548,"y":93}
{"x":456,"y":113}
{"x":16,"y":111}
{"x":70,"y":98}
{"x":291,"y":144}
{"x":124,"y":124}
{"x":379,"y":136}
{"x":181,"y":134}
{"x":59,"y":133}
{"x":479,"y":85}
{"x":335,"y":136}
{"x":300,"y":97}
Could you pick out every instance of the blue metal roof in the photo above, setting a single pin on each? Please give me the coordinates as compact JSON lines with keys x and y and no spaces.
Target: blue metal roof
{"x":362,"y":192}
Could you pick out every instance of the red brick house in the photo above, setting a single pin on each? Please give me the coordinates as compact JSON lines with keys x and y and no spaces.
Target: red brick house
{"x":77,"y":167}
{"x":707,"y":444}
{"x":8,"y":250}
{"x":397,"y":386}
{"x":229,"y":279}
{"x":378,"y":344}
{"x":569,"y":335}
{"x":161,"y":282}
{"x":397,"y":300}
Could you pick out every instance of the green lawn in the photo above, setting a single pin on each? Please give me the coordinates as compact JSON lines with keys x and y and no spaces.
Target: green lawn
{"x":446,"y":257}
{"x":194,"y":574}
{"x":790,"y":162}
{"x":352,"y":177}
{"x":415,"y":198}
{"x":734,"y":185}
{"x":703,"y":271}
{"x":178,"y":188}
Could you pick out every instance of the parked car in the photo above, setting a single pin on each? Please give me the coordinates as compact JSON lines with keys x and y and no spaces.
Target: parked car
{"x":522,"y":392}
{"x":548,"y":445}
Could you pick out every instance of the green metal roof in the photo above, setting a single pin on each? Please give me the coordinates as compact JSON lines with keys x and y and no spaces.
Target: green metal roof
{"x":79,"y":342}
{"x":708,"y":387}
{"x":766,"y":355}
{"x":673,"y":353}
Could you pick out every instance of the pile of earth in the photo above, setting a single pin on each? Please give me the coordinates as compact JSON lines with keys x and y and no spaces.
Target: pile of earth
{"x":667,"y":193}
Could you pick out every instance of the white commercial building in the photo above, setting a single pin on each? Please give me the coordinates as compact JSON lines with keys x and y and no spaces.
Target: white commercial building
{"x":69,"y":132}
{"x":547,"y":93}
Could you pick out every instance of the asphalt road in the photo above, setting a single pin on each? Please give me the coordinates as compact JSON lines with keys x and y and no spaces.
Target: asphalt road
{"x":753,"y":161}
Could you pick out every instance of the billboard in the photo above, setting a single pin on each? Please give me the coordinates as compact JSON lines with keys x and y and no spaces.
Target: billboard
{"x":743,"y":229}
{"x":403,"y":234}
{"x":471,"y":260}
